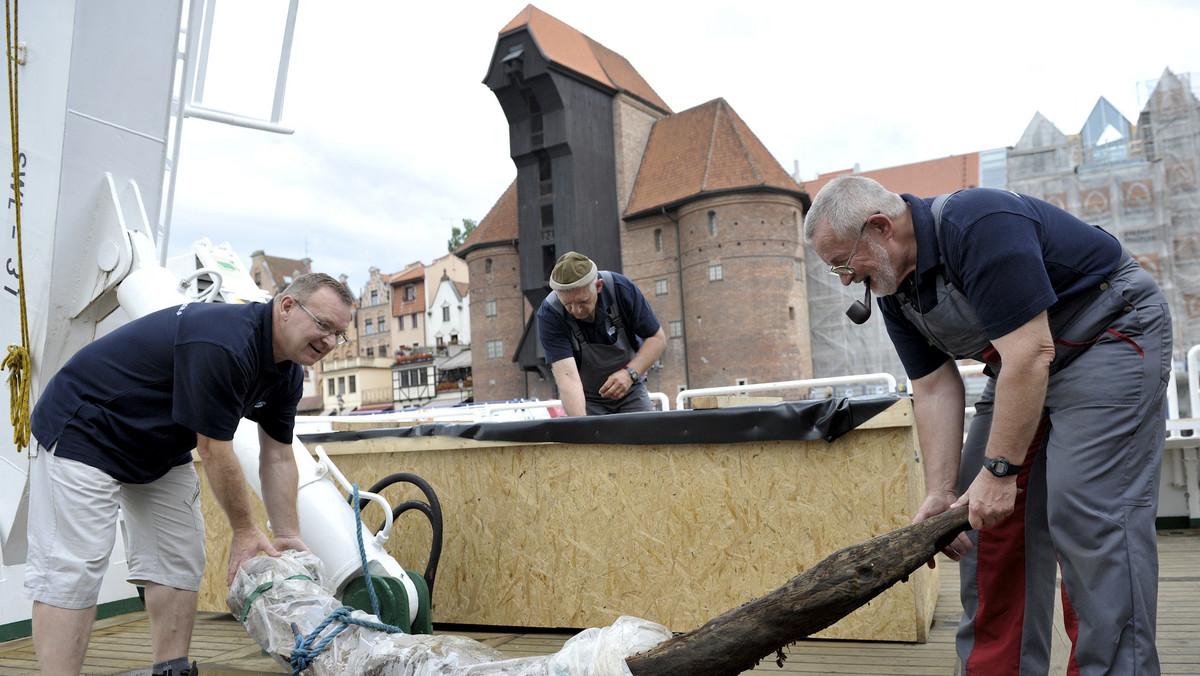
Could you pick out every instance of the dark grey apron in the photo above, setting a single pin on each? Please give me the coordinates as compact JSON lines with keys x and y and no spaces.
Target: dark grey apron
{"x":952,"y":326}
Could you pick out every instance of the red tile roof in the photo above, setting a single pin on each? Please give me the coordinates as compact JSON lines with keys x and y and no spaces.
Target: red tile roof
{"x":281,"y":271}
{"x":499,"y":225}
{"x":411,"y":272}
{"x":567,"y":47}
{"x":923,"y":179}
{"x":705,"y":149}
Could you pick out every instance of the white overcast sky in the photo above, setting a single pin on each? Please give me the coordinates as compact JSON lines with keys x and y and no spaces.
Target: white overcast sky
{"x":397,"y":140}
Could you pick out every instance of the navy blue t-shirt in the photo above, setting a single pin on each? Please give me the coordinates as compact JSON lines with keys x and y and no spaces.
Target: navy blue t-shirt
{"x":132,"y":402}
{"x":555,"y":334}
{"x":1012,"y":255}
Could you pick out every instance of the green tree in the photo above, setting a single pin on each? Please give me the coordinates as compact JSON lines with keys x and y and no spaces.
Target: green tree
{"x":459,"y":235}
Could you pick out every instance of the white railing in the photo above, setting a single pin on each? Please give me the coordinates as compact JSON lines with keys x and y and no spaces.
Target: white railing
{"x":964,"y":371}
{"x":522,"y":410}
{"x":664,"y":402}
{"x":1181,"y":466}
{"x":1179,"y":427}
{"x":685,"y":395}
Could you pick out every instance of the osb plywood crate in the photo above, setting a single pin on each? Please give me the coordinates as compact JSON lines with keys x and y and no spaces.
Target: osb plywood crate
{"x":575,"y":535}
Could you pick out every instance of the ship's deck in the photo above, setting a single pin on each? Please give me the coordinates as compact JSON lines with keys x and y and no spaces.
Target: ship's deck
{"x":121,"y":645}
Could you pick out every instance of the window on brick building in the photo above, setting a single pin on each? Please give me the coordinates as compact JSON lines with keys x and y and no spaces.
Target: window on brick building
{"x":487,"y":266}
{"x":676,"y":328}
{"x":716,"y":273}
{"x":712,"y":223}
{"x":374,"y":297}
{"x":410,"y":292}
{"x":660,"y":287}
{"x":332,"y":387}
{"x":489,"y":308}
{"x":495,"y":349}
{"x":368,"y":327}
{"x":370,"y":352}
{"x":446,"y":314}
{"x":791,"y":313}
{"x":353,"y":384}
{"x":658,"y":239}
{"x":416,"y":320}
{"x":798,"y":268}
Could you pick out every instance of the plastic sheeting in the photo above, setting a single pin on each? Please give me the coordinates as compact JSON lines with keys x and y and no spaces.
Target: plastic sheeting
{"x":288,"y":589}
{"x":825,"y":419}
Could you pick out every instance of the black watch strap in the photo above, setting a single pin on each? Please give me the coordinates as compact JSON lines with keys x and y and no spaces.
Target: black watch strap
{"x":1001,"y":467}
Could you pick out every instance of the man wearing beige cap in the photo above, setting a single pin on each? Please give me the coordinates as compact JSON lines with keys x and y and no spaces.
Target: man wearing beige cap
{"x":600,"y":336}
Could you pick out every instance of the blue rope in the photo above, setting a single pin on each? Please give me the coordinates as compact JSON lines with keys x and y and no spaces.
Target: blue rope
{"x":305,"y":652}
{"x":362,"y":553}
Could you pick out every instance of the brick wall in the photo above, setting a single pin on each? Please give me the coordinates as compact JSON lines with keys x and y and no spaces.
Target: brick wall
{"x":496,"y":378}
{"x":753,"y":323}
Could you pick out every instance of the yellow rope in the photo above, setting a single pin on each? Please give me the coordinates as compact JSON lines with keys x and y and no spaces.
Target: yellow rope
{"x":18,"y":361}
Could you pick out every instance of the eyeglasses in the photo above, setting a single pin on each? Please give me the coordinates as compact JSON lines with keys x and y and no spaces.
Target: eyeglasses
{"x":845,"y":269}
{"x":323,"y":327}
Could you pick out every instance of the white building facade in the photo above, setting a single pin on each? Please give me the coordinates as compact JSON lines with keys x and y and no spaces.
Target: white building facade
{"x":448,"y":319}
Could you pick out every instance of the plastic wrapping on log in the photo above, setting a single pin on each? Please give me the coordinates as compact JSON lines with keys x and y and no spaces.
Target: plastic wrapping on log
{"x":273,"y":593}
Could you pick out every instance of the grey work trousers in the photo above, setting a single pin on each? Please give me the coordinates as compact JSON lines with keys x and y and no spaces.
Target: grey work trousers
{"x":1089,"y":503}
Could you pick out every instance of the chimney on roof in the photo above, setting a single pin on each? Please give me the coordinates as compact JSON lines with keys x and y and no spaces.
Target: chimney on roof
{"x":857,"y":169}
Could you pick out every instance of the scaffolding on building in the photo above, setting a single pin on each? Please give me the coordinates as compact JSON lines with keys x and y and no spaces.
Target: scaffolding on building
{"x":1138,"y":182}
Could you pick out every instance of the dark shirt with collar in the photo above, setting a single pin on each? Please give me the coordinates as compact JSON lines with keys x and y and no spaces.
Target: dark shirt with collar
{"x":131,"y":402}
{"x":1012,"y":255}
{"x":554,"y":329}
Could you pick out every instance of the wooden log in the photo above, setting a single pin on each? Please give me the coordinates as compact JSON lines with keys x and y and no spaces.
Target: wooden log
{"x":739,"y":639}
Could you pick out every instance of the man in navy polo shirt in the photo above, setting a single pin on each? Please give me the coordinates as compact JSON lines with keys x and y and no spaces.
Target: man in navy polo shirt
{"x":1062,"y":458}
{"x":599,"y":336}
{"x":115,"y":428}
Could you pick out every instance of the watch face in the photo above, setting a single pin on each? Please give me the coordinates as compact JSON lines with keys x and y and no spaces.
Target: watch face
{"x":1000,"y":467}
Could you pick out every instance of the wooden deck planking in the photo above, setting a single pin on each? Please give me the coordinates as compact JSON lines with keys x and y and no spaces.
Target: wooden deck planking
{"x":121,"y":645}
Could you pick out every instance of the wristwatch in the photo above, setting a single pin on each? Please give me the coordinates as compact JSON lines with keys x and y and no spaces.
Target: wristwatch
{"x":1001,"y":467}
{"x":632,"y":373}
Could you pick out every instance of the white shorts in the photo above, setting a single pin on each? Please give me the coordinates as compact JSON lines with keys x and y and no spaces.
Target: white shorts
{"x":73,"y":514}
